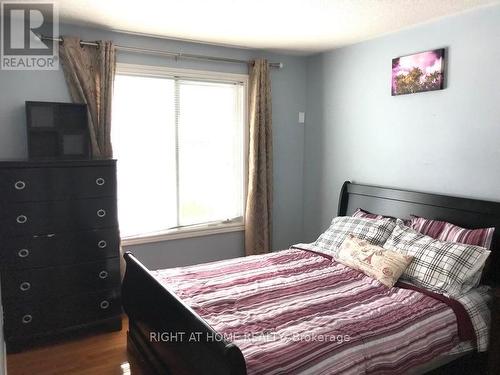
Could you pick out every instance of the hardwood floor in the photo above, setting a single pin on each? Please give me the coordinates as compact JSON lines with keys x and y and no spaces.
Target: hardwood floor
{"x":101,"y":354}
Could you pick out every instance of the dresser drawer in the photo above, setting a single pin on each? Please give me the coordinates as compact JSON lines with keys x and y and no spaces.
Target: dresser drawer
{"x":31,"y":319}
{"x":59,"y":249}
{"x":37,"y":218}
{"x":35,"y":284}
{"x":58,"y":183}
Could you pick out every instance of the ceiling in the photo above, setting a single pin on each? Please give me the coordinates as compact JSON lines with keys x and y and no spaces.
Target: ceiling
{"x":296,"y":26}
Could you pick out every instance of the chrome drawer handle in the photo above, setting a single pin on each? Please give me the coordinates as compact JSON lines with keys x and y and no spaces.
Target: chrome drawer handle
{"x":27,"y":319}
{"x":20,"y":185}
{"x":21,"y":219}
{"x":23,"y":253}
{"x":104,"y":305}
{"x":101,"y":213}
{"x":25,"y":286}
{"x":100,"y":181}
{"x":103,"y":275}
{"x":102,"y":244}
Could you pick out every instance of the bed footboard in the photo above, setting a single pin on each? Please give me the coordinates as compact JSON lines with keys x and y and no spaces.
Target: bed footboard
{"x":168,"y":334}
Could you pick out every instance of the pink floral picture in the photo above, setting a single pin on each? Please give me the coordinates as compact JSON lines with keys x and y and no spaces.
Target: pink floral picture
{"x":419,"y":72}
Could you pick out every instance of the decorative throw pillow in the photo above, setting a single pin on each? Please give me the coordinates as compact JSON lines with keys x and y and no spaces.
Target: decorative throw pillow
{"x":374,"y":231}
{"x":444,"y":267}
{"x":384,"y":265}
{"x":445,"y":231}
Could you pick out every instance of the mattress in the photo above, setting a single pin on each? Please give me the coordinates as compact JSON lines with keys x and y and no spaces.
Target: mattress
{"x":299,"y":312}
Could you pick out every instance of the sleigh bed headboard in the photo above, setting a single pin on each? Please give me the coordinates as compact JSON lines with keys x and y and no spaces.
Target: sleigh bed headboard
{"x":465,"y":212}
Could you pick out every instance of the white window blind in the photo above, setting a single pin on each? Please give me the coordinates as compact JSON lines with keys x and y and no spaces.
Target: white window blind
{"x":180,"y":145}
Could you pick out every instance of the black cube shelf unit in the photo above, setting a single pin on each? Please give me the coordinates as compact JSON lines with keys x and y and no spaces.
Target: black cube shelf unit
{"x":57,"y":130}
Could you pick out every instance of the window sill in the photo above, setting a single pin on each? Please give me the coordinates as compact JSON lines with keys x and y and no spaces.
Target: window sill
{"x":176,"y":234}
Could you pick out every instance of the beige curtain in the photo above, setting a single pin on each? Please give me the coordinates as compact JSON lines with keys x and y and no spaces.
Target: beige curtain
{"x":258,"y":220}
{"x":90,"y":72}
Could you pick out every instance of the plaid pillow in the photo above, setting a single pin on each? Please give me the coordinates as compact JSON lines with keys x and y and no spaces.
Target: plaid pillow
{"x":374,"y":231}
{"x":443,"y":267}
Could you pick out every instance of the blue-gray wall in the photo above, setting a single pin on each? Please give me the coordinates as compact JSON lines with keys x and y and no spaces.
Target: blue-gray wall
{"x":288,"y":87}
{"x":443,"y":141}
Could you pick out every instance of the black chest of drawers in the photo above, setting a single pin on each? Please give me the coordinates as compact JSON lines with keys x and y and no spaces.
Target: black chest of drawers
{"x":59,"y":250}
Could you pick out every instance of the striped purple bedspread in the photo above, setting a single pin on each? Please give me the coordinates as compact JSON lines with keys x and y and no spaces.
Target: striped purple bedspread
{"x":297,"y":312}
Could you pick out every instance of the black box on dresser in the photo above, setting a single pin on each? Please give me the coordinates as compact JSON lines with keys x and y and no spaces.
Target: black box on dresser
{"x":59,"y":250}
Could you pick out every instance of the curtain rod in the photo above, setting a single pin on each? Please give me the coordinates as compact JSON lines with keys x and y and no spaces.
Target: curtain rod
{"x":176,"y":55}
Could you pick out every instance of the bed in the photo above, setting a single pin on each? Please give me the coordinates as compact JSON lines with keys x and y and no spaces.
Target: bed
{"x":175,"y":326}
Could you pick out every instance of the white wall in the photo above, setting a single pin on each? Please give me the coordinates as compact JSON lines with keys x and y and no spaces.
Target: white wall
{"x":442,"y":141}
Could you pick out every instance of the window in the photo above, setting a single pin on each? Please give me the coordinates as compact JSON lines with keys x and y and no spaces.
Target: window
{"x":179,"y":138}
